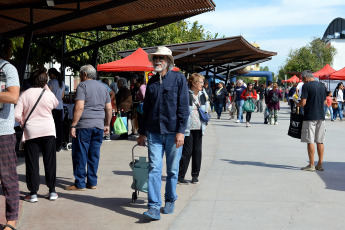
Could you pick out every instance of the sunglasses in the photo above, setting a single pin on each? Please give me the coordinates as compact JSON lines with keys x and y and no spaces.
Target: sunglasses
{"x":155,"y":58}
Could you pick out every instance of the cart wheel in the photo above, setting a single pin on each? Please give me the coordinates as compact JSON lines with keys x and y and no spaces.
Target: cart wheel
{"x":134,"y":197}
{"x":69,"y":146}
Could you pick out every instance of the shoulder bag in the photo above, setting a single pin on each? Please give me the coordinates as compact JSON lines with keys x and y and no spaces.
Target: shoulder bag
{"x":204,"y":116}
{"x":249,"y":106}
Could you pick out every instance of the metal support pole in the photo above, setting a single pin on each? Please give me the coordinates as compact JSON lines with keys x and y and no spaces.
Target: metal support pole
{"x":63,"y":51}
{"x":95,"y":53}
{"x":25,"y":57}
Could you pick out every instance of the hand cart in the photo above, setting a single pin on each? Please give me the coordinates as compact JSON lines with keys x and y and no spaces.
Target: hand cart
{"x":140,"y":168}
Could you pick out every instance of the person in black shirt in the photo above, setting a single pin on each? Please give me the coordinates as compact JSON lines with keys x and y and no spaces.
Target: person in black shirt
{"x":313,"y":99}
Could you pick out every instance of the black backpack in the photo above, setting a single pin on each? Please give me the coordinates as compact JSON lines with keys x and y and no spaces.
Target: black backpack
{"x":275,"y":97}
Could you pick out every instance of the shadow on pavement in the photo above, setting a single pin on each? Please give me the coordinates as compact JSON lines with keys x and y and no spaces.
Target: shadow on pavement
{"x":261,"y":164}
{"x":333,"y":176}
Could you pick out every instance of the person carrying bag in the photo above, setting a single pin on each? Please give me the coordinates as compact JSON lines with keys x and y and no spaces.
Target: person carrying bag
{"x":248,"y":94}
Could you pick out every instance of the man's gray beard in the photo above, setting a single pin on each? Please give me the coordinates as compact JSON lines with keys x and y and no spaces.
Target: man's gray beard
{"x":160,"y":69}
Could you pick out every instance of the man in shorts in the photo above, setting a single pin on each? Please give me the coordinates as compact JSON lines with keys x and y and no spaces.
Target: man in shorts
{"x":313,"y":129}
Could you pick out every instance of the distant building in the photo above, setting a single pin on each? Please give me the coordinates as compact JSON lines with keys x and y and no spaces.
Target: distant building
{"x":335,"y":36}
{"x":255,"y":67}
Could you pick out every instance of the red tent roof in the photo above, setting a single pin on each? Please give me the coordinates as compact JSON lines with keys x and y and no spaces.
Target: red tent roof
{"x":137,"y":61}
{"x":294,"y":78}
{"x":339,"y":75}
{"x":324,"y":72}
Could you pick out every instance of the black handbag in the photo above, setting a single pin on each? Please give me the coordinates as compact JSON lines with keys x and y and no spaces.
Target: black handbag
{"x":295,"y":128}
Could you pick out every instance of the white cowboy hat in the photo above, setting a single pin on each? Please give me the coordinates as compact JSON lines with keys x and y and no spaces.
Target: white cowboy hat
{"x":164,"y":51}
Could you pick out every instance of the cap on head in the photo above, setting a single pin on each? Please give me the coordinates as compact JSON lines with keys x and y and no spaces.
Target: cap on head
{"x":162,"y":50}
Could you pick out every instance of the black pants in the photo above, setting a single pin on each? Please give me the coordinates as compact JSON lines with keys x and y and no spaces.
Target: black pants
{"x":292,"y":105}
{"x":248,"y":116}
{"x":32,"y":148}
{"x":192,"y":148}
{"x":57,"y":115}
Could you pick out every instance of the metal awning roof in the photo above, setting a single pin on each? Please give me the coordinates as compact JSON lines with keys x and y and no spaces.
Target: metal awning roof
{"x":230,"y":54}
{"x":18,"y":17}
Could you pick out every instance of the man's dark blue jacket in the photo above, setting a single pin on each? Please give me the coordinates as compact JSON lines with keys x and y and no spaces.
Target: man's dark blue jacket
{"x":166,"y":108}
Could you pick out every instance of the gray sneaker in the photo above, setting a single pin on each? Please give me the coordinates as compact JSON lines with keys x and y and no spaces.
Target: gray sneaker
{"x":308,"y":168}
{"x":319,"y":168}
{"x":169,"y":207}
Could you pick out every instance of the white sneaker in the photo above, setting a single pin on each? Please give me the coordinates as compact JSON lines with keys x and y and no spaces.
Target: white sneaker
{"x":238,"y":121}
{"x":272,"y":122}
{"x":31,"y":198}
{"x":53,"y":196}
{"x":275,"y":123}
{"x":248,"y":125}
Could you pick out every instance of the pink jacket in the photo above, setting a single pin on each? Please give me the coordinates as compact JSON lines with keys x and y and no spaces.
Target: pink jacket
{"x":41,"y":122}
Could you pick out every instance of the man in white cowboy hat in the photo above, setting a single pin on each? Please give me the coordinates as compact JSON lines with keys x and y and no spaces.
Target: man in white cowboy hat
{"x":165,"y":113}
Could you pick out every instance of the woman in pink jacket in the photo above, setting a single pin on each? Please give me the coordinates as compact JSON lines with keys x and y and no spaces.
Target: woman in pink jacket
{"x":39,"y":134}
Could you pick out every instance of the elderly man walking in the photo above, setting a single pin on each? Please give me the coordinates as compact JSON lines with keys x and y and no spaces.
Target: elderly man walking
{"x":91,"y":119}
{"x":313,"y":99}
{"x":166,"y":112}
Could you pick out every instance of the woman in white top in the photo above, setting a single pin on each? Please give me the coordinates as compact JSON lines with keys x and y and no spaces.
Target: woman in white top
{"x":339,"y":96}
{"x":57,"y":86}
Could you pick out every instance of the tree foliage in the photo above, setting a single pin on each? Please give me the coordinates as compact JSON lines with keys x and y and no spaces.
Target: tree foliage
{"x":314,"y":56}
{"x":178,"y":32}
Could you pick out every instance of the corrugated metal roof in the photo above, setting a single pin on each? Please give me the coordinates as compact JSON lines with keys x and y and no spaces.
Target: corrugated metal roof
{"x":230,"y":52}
{"x":19,"y":16}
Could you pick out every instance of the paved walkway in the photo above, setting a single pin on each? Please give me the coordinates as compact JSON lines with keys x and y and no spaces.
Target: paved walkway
{"x":250,"y":179}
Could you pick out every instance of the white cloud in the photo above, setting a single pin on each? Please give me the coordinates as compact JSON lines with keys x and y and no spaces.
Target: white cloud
{"x":283,"y":13}
{"x":272,"y":25}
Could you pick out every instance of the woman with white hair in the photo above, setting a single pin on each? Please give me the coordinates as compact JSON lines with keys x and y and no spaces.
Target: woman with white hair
{"x":239,"y":101}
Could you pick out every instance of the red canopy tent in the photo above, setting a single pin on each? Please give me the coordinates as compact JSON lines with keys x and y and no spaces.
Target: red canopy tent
{"x":293,"y":79}
{"x":339,"y":75}
{"x":325,"y":72}
{"x":137,"y":61}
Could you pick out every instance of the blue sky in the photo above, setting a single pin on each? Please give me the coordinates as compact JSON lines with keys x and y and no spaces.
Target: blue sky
{"x":277,"y":26}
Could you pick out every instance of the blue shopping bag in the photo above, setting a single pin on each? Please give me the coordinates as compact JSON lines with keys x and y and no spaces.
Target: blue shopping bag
{"x":124,"y":120}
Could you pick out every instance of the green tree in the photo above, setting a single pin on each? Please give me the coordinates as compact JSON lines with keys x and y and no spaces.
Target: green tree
{"x":313,"y":56}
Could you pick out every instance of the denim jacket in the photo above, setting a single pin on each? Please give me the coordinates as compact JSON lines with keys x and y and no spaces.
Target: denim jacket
{"x":165,"y":107}
{"x":203,"y":106}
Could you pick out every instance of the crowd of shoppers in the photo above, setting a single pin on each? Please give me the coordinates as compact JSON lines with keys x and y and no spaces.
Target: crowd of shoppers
{"x":176,"y":131}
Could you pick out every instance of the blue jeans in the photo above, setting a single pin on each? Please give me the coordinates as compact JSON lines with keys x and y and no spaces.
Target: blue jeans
{"x":157,"y":144}
{"x":85,"y":150}
{"x":330,"y":111}
{"x":218,"y":107}
{"x":338,"y":110}
{"x":240,"y":111}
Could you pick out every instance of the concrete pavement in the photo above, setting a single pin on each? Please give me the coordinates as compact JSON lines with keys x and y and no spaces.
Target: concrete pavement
{"x":250,"y":179}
